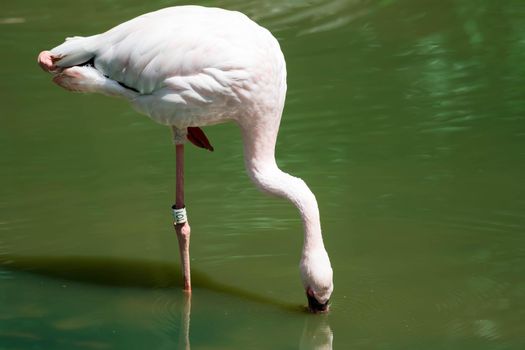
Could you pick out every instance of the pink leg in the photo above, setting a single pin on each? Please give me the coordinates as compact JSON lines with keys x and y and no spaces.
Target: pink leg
{"x":183,"y":229}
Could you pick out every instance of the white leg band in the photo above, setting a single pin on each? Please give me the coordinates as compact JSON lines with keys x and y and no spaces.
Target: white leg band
{"x":180,"y":215}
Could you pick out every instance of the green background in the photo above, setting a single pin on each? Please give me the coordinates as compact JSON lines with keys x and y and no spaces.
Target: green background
{"x":407,"y":120}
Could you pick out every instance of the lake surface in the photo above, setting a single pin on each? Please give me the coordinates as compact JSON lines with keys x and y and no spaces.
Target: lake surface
{"x":406,"y":119}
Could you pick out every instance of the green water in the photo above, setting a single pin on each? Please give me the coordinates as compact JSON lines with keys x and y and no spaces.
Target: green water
{"x":406,"y":118}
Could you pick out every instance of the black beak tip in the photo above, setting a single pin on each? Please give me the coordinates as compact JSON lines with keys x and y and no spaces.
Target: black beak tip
{"x":316,"y":307}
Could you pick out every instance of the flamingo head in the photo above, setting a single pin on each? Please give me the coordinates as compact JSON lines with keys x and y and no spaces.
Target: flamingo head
{"x":316,"y":273}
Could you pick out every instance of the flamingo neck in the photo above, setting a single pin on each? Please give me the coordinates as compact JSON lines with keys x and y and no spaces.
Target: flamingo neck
{"x":271,"y":179}
{"x":259,"y":156}
{"x":300,"y":195}
{"x":313,"y":238}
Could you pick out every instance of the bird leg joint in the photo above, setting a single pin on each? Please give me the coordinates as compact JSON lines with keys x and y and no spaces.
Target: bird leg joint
{"x":179,"y":135}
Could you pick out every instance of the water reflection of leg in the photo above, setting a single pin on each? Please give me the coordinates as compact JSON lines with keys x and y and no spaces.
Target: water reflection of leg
{"x":173,"y":312}
{"x":317,"y":334}
{"x":184,"y":337}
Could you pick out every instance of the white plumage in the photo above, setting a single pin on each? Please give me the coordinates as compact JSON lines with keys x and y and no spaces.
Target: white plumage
{"x":189,"y":65}
{"x":192,"y":66}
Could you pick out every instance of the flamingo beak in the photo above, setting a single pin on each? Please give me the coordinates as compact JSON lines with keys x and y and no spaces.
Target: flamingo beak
{"x":315,"y":306}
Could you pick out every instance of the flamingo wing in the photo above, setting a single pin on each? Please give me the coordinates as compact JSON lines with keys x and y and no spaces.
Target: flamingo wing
{"x":188,"y":65}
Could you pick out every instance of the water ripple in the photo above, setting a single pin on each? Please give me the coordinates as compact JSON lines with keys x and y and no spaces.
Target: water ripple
{"x":313,"y":17}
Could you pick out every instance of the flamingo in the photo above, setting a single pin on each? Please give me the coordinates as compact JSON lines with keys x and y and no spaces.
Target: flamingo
{"x":190,"y":66}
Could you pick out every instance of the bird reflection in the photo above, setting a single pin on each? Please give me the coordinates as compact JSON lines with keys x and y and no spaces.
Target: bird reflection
{"x":160,"y":277}
{"x":317,"y":334}
{"x":184,"y":337}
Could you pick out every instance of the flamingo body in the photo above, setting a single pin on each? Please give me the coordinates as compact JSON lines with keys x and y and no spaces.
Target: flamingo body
{"x":182,"y":66}
{"x":191,"y":66}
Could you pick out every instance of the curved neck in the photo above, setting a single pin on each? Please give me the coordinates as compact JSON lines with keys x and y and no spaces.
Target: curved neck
{"x":305,"y":201}
{"x":263,"y":170}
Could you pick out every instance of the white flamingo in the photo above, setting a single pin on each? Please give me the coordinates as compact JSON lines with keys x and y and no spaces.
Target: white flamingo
{"x":191,"y":66}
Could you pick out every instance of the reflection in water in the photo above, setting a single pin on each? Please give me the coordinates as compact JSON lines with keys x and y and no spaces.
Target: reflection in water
{"x":175,"y":312}
{"x":317,"y":334}
{"x":184,"y":338}
{"x":172,"y":313}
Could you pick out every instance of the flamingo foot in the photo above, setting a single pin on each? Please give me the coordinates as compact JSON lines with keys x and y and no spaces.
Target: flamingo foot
{"x":46,"y":61}
{"x":81,"y":79}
